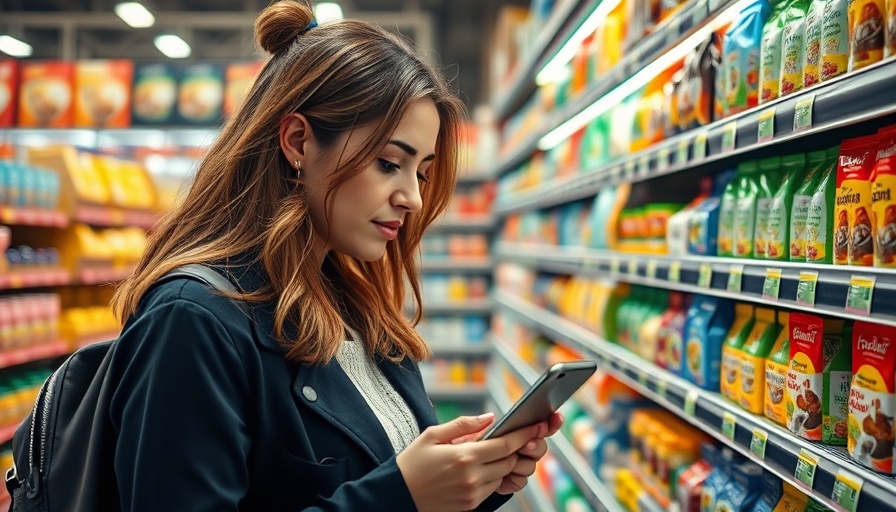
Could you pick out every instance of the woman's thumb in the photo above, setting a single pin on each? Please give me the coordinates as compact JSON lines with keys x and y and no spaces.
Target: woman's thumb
{"x":447,"y":432}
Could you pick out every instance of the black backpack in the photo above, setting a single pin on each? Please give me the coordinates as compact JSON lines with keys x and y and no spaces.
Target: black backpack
{"x":63,"y":453}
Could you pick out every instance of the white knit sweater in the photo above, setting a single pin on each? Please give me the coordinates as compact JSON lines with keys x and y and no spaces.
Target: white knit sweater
{"x":389,"y":407}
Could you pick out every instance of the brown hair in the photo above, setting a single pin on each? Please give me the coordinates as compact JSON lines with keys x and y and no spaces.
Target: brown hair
{"x":245,"y":199}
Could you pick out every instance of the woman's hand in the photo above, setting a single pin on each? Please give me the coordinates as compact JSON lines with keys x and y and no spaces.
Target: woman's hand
{"x":529,"y":455}
{"x":442,"y":476}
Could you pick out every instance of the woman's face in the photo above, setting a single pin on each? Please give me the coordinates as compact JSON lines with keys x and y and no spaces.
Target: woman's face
{"x":368,"y":210}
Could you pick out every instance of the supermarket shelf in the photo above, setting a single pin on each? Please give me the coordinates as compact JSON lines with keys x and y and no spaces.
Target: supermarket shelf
{"x":845,"y":100}
{"x":474,"y":176}
{"x":470,"y":306}
{"x":34,"y":278}
{"x":671,"y":32}
{"x":456,"y":393}
{"x":782,"y":450}
{"x":434,"y":264}
{"x":90,"y":339}
{"x":102,"y":275}
{"x":556,"y":30}
{"x":468,"y":223}
{"x":38,"y":217}
{"x":18,"y":356}
{"x":107,"y":216}
{"x":6,"y":434}
{"x":593,"y":489}
{"x":469,"y":350}
{"x":832,"y":287}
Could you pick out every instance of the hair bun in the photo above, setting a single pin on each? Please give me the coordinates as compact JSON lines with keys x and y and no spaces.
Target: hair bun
{"x":280,"y":23}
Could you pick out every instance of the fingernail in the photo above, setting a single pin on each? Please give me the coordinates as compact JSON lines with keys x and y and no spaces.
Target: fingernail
{"x":482,"y":418}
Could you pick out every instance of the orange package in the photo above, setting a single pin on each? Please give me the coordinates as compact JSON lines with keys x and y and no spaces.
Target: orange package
{"x":103,"y":93}
{"x":238,"y":80}
{"x":883,"y":203}
{"x":9,"y":86}
{"x":866,"y":32}
{"x":853,"y":245}
{"x":45,"y":95}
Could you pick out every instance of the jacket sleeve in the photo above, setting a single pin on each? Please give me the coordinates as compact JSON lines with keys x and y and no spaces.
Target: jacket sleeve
{"x":180,"y":411}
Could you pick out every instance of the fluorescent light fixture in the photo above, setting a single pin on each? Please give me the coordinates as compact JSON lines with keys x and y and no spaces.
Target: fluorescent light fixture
{"x":172,"y":46}
{"x":327,"y":11}
{"x":640,"y":79}
{"x":135,"y":14}
{"x":552,"y":69}
{"x":14,"y":47}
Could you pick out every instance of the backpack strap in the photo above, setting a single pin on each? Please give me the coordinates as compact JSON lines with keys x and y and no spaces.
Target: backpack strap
{"x":212,"y":278}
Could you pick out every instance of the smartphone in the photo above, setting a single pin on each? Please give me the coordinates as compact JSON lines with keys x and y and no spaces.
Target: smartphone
{"x":555,"y":386}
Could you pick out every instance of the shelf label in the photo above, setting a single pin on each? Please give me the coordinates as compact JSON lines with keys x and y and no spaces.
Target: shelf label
{"x":805,"y":291}
{"x":847,"y":489}
{"x":735,"y":278}
{"x":681,"y":155}
{"x":662,"y":387}
{"x":629,"y":169}
{"x":675,"y":272}
{"x":771,"y":288}
{"x":704,"y":279}
{"x":858,"y":300}
{"x":802,"y":114}
{"x":700,"y":145}
{"x":690,"y":403}
{"x":632,"y":267}
{"x":758,"y":442}
{"x":729,"y":425}
{"x":614,"y":266}
{"x":651,"y":269}
{"x":644,"y":164}
{"x":662,"y":158}
{"x":766,"y":126}
{"x":729,"y":137}
{"x":642,"y":378}
{"x":805,"y":468}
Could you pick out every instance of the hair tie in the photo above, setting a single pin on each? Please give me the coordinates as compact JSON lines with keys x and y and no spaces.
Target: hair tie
{"x":310,"y":26}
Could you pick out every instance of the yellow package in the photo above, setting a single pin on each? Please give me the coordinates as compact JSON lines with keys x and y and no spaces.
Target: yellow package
{"x":866,"y":32}
{"x":752,"y":360}
{"x":883,"y":199}
{"x":853,"y":243}
{"x":734,"y":342}
{"x":792,"y":500}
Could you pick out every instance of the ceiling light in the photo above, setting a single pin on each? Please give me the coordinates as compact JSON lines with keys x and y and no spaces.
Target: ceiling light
{"x":135,"y":14}
{"x":327,"y":11}
{"x":172,"y":46}
{"x":14,"y":47}
{"x":560,"y":59}
{"x":641,"y":78}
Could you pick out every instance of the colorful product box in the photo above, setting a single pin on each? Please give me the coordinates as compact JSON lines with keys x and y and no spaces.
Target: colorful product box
{"x":45,"y":95}
{"x":103,"y":93}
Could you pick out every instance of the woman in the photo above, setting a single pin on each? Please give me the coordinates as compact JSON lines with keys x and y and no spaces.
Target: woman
{"x":312,"y":201}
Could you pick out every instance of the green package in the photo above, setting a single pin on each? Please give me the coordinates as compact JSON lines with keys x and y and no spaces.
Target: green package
{"x":801,"y":199}
{"x":777,"y":233}
{"x":820,"y":222}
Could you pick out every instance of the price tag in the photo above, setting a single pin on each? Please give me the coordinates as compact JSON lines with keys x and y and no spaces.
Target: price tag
{"x":729,"y":424}
{"x":766,"y":126}
{"x":802,"y":114}
{"x":704,"y":278}
{"x":772,"y":286}
{"x":700,"y":146}
{"x":629,"y":169}
{"x":681,"y":155}
{"x":651,"y":269}
{"x":675,"y":272}
{"x":758,"y":442}
{"x":729,"y":137}
{"x":662,"y":158}
{"x":644,"y":164}
{"x":690,"y":403}
{"x":614,"y":266}
{"x":642,"y":378}
{"x":662,"y":388}
{"x":847,"y":489}
{"x":858,"y":300}
{"x":805,"y":468}
{"x":735,"y":278}
{"x":632,"y":267}
{"x":805,"y":291}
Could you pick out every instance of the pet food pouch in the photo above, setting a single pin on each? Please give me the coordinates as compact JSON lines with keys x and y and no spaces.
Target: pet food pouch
{"x":836,"y":381}
{"x":776,"y":367}
{"x":871,"y":397}
{"x":793,"y":500}
{"x":745,"y":215}
{"x":799,"y":212}
{"x":767,"y":181}
{"x":752,"y":362}
{"x":812,"y":53}
{"x":834,"y":39}
{"x":819,"y":239}
{"x":727,"y":215}
{"x":777,"y":231}
{"x":731,"y":350}
{"x":742,"y":47}
{"x":793,"y":46}
{"x":708,"y":320}
{"x":853,"y":243}
{"x":703,"y":234}
{"x":883,"y":199}
{"x":804,"y":378}
{"x":770,"y":53}
{"x":867,"y":28}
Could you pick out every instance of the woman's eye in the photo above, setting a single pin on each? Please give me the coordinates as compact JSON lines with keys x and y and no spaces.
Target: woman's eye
{"x":422,"y":177}
{"x":388,"y":166}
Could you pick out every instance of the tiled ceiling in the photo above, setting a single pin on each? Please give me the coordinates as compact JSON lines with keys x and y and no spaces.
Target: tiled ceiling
{"x":89,"y":29}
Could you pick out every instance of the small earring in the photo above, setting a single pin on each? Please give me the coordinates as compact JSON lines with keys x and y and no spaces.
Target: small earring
{"x":298,"y":168}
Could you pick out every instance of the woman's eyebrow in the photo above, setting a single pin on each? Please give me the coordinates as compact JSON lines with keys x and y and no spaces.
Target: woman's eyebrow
{"x":407,"y":148}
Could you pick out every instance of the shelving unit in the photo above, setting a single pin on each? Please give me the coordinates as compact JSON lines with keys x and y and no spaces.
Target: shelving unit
{"x":467,"y":265}
{"x":12,"y":357}
{"x":466,"y":224}
{"x":457,"y":393}
{"x":707,"y":411}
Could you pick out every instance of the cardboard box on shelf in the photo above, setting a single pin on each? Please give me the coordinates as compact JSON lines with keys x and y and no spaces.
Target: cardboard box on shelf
{"x":45,"y":95}
{"x":103,"y":93}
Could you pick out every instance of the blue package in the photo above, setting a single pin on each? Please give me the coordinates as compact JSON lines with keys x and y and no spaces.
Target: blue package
{"x":722,"y":461}
{"x":771,"y":493}
{"x":475,"y":329}
{"x":570,"y":229}
{"x":708,"y":321}
{"x":600,"y":211}
{"x":742,"y":490}
{"x":703,"y":225}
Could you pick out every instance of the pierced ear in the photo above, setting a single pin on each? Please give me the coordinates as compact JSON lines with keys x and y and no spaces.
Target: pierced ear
{"x":295,"y":132}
